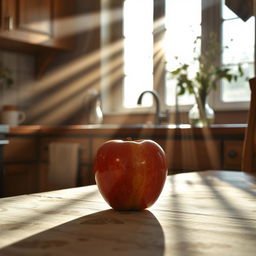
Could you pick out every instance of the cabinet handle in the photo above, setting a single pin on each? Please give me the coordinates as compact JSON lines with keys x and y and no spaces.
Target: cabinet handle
{"x":9,"y":22}
{"x":232,"y":154}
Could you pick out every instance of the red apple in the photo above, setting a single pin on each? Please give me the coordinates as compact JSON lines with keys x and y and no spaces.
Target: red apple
{"x":130,"y":174}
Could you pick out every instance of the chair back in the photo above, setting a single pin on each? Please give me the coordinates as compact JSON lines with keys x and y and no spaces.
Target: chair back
{"x":249,"y":147}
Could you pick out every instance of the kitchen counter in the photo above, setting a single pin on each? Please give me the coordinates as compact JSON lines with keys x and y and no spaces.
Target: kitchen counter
{"x":164,"y":129}
{"x":27,"y":156}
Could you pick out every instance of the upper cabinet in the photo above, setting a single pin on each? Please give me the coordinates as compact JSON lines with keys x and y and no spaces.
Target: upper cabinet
{"x":27,"y":21}
{"x":38,"y":26}
{"x":37,"y":22}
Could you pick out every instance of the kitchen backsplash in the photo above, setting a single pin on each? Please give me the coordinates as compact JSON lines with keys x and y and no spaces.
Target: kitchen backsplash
{"x":22,"y":67}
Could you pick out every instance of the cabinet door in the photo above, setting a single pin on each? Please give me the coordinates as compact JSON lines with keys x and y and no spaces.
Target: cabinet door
{"x":20,"y":179}
{"x":8,"y":14}
{"x":232,"y":158}
{"x":36,"y":22}
{"x":26,"y":21}
{"x":35,"y":16}
{"x":192,"y":154}
{"x":21,"y":150}
{"x":21,"y":166}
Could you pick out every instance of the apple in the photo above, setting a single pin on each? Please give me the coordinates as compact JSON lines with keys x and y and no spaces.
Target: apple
{"x":130,"y":174}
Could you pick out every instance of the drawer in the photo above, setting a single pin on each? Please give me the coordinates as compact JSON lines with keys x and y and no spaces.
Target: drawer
{"x":21,"y":150}
{"x":232,"y":154}
{"x":20,"y":179}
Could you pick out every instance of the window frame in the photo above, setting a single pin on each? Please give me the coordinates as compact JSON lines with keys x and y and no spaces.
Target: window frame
{"x":212,"y":23}
{"x":215,"y":96}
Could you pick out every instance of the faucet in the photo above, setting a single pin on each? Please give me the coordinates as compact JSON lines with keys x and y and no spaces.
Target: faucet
{"x":158,"y":116}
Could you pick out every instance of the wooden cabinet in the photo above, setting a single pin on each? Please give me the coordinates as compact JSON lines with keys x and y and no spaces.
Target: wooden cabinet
{"x":42,"y":27}
{"x":28,"y":21}
{"x":232,"y":154}
{"x":36,"y":22}
{"x":35,"y":16}
{"x":182,"y":154}
{"x":26,"y":158}
{"x":20,"y":179}
{"x":21,"y":166}
{"x":190,"y":154}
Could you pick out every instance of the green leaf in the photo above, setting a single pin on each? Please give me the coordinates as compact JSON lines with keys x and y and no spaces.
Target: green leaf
{"x":209,"y":73}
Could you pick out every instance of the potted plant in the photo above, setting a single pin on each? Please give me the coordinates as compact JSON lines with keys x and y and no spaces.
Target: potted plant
{"x":203,"y":81}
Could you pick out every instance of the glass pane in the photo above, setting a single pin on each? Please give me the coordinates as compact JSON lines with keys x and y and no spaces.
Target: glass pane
{"x":138,"y":51}
{"x":138,"y":55}
{"x":182,"y":30}
{"x":138,"y":17}
{"x":238,"y":47}
{"x":238,"y":36}
{"x":134,"y":85}
{"x":238,"y":91}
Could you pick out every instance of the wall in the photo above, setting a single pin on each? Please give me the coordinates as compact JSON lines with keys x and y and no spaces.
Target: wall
{"x":63,"y":94}
{"x":22,"y":67}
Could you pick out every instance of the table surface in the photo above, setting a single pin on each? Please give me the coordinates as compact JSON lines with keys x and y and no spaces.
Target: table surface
{"x":198,"y":213}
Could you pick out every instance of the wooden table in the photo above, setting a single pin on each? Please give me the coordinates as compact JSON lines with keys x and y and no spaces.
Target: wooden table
{"x":200,"y":213}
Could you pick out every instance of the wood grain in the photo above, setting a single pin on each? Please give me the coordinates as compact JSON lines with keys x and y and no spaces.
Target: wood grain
{"x":199,"y":213}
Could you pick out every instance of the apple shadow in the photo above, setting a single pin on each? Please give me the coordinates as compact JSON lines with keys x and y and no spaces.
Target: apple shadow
{"x":103,"y":233}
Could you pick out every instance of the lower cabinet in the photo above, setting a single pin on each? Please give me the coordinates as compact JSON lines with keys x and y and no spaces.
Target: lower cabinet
{"x":20,"y":179}
{"x":184,"y":155}
{"x":21,"y":165}
{"x":26,"y":158}
{"x":189,"y":154}
{"x":232,"y":154}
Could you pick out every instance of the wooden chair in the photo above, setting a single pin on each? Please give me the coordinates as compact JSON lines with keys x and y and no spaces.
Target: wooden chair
{"x":249,"y":148}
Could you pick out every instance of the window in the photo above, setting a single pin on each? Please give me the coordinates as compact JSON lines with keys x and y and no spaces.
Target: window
{"x":238,"y":39}
{"x":138,"y":51}
{"x":185,"y":20}
{"x":237,"y":44}
{"x":179,"y":42}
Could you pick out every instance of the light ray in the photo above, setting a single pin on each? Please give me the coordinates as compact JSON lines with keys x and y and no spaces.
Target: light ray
{"x":67,"y":71}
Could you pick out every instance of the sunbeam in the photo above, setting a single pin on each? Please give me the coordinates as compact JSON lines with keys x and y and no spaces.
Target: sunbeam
{"x":68,"y":71}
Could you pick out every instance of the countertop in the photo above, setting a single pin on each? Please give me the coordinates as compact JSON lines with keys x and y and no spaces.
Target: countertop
{"x":146,"y":128}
